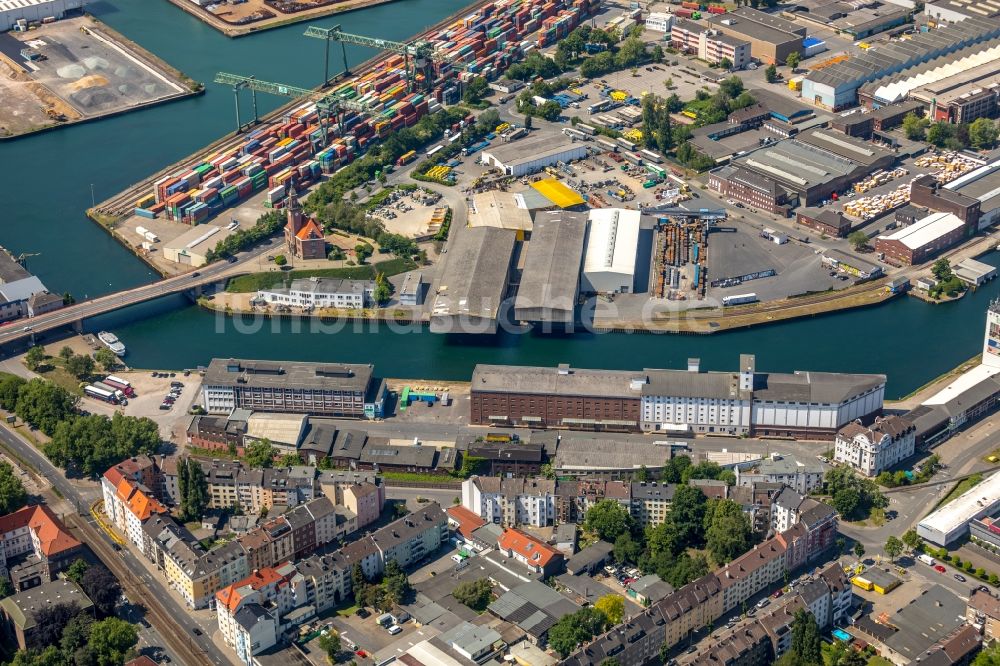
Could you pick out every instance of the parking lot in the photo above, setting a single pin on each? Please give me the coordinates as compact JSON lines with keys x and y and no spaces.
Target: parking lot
{"x":743,"y":251}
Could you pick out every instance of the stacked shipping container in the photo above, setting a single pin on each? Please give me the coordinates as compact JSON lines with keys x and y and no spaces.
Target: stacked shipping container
{"x":294,"y":151}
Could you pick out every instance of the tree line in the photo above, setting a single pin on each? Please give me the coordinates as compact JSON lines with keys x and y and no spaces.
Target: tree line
{"x":84,"y":444}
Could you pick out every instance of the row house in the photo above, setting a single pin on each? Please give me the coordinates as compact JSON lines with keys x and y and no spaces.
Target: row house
{"x":128,"y":504}
{"x":804,"y":477}
{"x":983,"y":612}
{"x":361,"y":493}
{"x":638,"y":640}
{"x":752,"y":572}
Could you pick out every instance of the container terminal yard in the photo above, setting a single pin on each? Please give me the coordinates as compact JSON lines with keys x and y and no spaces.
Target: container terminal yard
{"x":76,"y":70}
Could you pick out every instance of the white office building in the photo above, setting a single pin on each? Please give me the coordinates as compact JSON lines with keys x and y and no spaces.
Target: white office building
{"x":875,"y":449}
{"x":951,"y":522}
{"x":11,"y":11}
{"x":312,"y":293}
{"x":659,"y":22}
{"x":609,"y":257}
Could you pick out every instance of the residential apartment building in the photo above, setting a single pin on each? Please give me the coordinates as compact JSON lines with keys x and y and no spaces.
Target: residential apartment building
{"x":877,"y":448}
{"x":983,"y":612}
{"x":789,"y":508}
{"x":752,"y":572}
{"x":715,"y":47}
{"x":804,"y":477}
{"x":412,"y":537}
{"x":650,"y":502}
{"x":128,"y":504}
{"x":250,"y":611}
{"x":361,"y":493}
{"x":35,"y":546}
{"x":346,"y":391}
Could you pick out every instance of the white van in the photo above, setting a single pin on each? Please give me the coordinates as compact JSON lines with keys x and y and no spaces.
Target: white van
{"x":394,"y":629}
{"x":926,"y":559}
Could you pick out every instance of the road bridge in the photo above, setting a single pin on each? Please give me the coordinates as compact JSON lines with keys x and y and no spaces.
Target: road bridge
{"x":74,"y":315}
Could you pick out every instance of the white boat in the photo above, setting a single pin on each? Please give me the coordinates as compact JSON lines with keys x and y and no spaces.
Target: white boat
{"x":112,"y":342}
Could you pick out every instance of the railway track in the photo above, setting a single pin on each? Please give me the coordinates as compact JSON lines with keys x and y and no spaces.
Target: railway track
{"x":177,"y":640}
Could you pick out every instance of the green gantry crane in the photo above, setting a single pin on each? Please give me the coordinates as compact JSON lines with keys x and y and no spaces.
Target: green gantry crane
{"x":328,"y":106}
{"x":417,"y":56}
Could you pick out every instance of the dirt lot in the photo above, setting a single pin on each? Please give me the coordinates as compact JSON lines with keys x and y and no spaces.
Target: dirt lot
{"x":255,"y":15}
{"x":409,"y":213}
{"x":85,"y":70}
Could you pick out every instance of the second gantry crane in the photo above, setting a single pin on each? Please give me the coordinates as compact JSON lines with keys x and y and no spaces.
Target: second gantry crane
{"x":418,"y":56}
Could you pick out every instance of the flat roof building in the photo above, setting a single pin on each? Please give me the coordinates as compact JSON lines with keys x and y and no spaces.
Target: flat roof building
{"x":191,"y":248}
{"x":532,"y":154}
{"x":951,"y":521}
{"x":550,"y":281}
{"x":851,"y":264}
{"x":771,"y":37}
{"x":34,"y":11}
{"x":473,"y":282}
{"x":500,"y":210}
{"x":974,"y":273}
{"x":323,"y":389}
{"x":918,"y":242}
{"x":813,"y":165}
{"x":610,"y":256}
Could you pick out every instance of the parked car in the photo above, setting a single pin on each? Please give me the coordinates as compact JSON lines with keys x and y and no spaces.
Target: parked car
{"x":362,"y":613}
{"x":960,"y":578}
{"x":939,"y":568}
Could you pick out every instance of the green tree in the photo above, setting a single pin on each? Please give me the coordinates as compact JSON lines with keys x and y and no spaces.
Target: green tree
{"x":608,"y":519}
{"x":76,"y":570}
{"x":80,"y":366}
{"x":613,"y":608}
{"x":111,"y":639}
{"x":687,"y":514}
{"x":859,"y":550}
{"x":627,"y":549}
{"x":260,"y":454}
{"x":983,"y":133}
{"x":793,"y":59}
{"x":806,"y":639}
{"x":476,"y":594}
{"x":10,"y":387}
{"x":362,"y":251}
{"x":34,"y":358}
{"x":642,"y":475}
{"x":846,"y":502}
{"x":771,"y":74}
{"x":383,"y":289}
{"x":476,"y":90}
{"x":6,"y":588}
{"x":44,"y":405}
{"x":939,"y":134}
{"x":330,"y":644}
{"x":280,"y":260}
{"x":575,"y":628}
{"x":527,"y":121}
{"x":729,"y":534}
{"x":101,"y":587}
{"x":858,"y":239}
{"x":66,"y":352}
{"x":76,"y":633}
{"x":941,"y":269}
{"x":989,"y":656}
{"x":893,"y":547}
{"x":915,"y":127}
{"x":726,"y":64}
{"x":290,"y":460}
{"x":13,"y":496}
{"x":106,"y":358}
{"x":911,"y":539}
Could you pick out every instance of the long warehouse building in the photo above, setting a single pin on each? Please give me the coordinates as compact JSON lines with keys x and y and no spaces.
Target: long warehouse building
{"x":474,"y":281}
{"x":746,"y":402}
{"x":526,"y":156}
{"x":11,"y":11}
{"x":550,"y":281}
{"x":836,"y":87}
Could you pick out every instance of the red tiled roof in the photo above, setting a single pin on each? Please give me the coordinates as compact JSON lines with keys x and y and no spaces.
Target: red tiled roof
{"x":310,"y":231}
{"x":536,"y":552}
{"x":51,"y":534}
{"x":230,"y":596}
{"x":467,"y":521}
{"x":138,"y":502}
{"x":114,"y":476}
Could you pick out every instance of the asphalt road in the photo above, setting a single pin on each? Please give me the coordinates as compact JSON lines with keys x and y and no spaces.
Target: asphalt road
{"x":155,"y":590}
{"x":66,"y":316}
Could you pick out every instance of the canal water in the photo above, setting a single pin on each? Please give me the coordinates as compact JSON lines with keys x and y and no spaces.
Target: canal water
{"x":45,"y":185}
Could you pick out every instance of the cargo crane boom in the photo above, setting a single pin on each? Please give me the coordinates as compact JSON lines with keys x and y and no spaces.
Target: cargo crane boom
{"x":327,"y":106}
{"x":416,"y":55}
